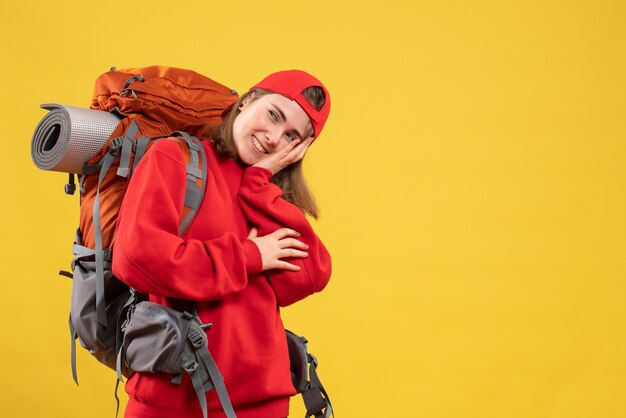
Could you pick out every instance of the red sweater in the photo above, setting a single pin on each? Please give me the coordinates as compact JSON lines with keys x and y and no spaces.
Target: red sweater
{"x":216,"y":266}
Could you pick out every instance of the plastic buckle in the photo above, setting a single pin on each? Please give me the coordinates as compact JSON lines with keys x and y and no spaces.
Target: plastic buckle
{"x":196,"y":339}
{"x":313,"y":401}
{"x":190,"y":366}
{"x":115,"y":144}
{"x":70,"y":188}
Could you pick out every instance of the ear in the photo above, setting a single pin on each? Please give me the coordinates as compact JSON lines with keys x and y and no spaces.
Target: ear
{"x":247,"y":99}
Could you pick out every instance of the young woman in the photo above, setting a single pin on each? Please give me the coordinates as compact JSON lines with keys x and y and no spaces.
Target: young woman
{"x":249,"y":250}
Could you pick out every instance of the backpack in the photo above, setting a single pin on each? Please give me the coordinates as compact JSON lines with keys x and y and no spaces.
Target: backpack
{"x":155,"y":103}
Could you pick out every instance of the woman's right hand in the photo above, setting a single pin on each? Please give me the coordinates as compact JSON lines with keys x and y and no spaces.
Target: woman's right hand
{"x":291,"y":153}
{"x":278,"y":245}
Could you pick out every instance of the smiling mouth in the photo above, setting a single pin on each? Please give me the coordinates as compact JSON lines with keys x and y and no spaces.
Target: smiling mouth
{"x":257,"y":145}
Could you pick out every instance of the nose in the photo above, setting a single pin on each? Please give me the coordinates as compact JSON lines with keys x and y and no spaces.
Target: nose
{"x":271,"y":136}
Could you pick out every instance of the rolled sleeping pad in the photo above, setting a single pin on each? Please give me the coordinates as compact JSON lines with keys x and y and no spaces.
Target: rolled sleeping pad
{"x":68,"y":136}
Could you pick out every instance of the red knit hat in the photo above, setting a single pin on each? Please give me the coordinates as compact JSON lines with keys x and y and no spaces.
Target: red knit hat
{"x":291,"y":84}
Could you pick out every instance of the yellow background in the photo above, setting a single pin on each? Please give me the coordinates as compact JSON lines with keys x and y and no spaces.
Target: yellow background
{"x":471,"y":180}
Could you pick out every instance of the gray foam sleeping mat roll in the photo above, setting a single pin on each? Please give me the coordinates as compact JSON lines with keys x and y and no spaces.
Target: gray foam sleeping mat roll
{"x":68,"y":136}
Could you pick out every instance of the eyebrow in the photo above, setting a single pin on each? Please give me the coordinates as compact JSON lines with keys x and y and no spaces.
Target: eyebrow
{"x":282,"y":116}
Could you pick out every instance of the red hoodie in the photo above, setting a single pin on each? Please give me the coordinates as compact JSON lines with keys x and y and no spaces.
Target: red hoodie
{"x":216,"y":266}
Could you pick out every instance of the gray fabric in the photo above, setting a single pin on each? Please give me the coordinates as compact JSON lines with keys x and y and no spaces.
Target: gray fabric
{"x":68,"y":136}
{"x":161,"y":339}
{"x":99,"y":340}
{"x":73,"y":351}
{"x":193,"y":195}
{"x":298,"y":360}
{"x":153,"y":327}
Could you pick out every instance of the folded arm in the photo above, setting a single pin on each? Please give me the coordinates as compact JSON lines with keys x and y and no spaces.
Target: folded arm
{"x":149,"y":254}
{"x":265,"y":208}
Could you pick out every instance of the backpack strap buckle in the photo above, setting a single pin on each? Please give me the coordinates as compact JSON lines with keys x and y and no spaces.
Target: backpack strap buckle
{"x":116,"y":144}
{"x":190,"y":366}
{"x":196,"y":339}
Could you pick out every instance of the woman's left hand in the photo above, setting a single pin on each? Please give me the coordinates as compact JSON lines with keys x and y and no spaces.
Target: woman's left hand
{"x":289,"y":154}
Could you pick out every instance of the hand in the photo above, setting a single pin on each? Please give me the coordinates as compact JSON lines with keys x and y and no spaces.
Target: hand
{"x":289,"y":154}
{"x":277,"y":245}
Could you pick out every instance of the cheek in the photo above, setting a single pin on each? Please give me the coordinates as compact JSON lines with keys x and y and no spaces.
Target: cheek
{"x":239,"y":130}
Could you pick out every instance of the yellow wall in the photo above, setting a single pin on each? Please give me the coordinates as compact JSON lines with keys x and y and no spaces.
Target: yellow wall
{"x":471,"y":178}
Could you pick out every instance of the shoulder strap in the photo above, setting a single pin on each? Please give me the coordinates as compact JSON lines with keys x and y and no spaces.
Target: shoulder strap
{"x":195,"y":156}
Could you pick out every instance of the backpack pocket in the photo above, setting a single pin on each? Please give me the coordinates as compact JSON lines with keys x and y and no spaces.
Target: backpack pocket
{"x":98,"y":339}
{"x":161,"y":339}
{"x":153,"y":340}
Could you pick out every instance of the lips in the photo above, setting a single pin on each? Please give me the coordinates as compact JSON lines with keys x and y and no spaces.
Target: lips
{"x":258,"y":146}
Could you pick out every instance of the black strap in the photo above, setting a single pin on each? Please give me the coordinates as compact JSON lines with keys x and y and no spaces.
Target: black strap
{"x":315,"y":397}
{"x":66,"y":273}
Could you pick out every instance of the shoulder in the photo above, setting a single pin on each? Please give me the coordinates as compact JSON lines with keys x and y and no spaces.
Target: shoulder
{"x":171,"y":148}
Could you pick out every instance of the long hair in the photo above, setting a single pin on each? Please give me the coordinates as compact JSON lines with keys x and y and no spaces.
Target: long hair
{"x":291,"y":178}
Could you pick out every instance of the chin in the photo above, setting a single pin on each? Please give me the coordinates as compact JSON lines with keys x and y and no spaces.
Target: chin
{"x":245,"y":158}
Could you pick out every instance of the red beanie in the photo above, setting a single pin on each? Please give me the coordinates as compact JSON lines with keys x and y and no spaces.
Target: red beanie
{"x":291,"y":84}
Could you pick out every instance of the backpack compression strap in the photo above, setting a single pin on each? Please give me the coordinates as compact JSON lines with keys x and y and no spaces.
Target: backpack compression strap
{"x":126,"y":143}
{"x":200,"y":362}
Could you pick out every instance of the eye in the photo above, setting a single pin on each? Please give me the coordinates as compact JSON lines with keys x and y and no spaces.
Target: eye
{"x":291,"y":136}
{"x":273,"y":115}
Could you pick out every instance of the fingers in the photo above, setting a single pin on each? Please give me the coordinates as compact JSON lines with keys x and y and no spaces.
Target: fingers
{"x":283,"y":265}
{"x":292,"y":253}
{"x":285,"y":232}
{"x":296,"y":150}
{"x":293,"y":243}
{"x":292,"y":152}
{"x":279,"y":246}
{"x":283,"y":236}
{"x":290,"y":146}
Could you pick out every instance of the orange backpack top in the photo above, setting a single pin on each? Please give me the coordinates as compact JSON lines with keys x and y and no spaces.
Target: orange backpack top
{"x":160,"y":100}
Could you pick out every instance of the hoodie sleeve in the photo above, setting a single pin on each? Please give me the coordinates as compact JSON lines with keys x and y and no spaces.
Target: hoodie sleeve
{"x":149,"y":254}
{"x":265,"y":208}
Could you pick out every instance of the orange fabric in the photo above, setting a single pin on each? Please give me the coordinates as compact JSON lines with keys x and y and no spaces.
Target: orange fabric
{"x":169,"y":99}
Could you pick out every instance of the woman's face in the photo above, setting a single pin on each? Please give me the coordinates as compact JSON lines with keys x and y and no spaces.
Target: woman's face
{"x":266,"y":124}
